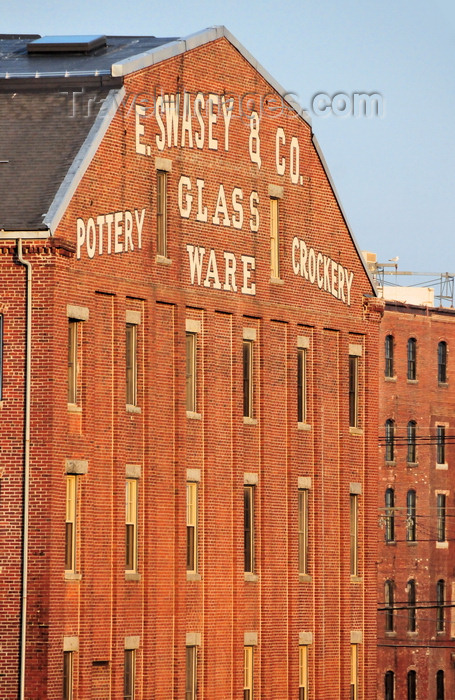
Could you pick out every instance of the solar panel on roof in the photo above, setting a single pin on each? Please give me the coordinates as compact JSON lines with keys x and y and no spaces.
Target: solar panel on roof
{"x":66,"y":44}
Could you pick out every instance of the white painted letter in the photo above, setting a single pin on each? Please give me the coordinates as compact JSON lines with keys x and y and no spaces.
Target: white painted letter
{"x":254,"y":211}
{"x":186,"y":121}
{"x":139,"y":224}
{"x":201,"y":211}
{"x":280,"y":164}
{"x":231,"y":265}
{"x":199,"y":103}
{"x":196,"y":256}
{"x":212,"y":272}
{"x":184,"y":208}
{"x":128,"y":231}
{"x":160,"y":140}
{"x":294,"y":154}
{"x":213,"y":142}
{"x":254,"y":143}
{"x":80,"y":236}
{"x":140,"y":147}
{"x":237,"y":194}
{"x":221,"y":208}
{"x":249,"y":263}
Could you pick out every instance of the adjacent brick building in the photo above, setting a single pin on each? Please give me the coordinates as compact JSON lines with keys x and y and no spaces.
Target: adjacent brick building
{"x":416,"y":627}
{"x":189,"y":342}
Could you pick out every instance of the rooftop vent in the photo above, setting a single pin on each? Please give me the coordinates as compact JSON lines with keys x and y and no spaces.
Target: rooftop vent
{"x":66,"y":44}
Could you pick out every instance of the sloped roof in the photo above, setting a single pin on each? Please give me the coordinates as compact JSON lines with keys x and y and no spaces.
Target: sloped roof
{"x":42,"y":156}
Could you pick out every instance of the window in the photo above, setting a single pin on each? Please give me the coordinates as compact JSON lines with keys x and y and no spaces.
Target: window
{"x":389,"y":685}
{"x":389,"y":590}
{"x":70,"y":528}
{"x":301,"y":386}
{"x":412,"y":685}
{"x":303,"y":672}
{"x":441,"y":516}
{"x":440,"y":685}
{"x":248,"y":528}
{"x":131,"y":525}
{"x":440,"y":606}
{"x":389,"y":440}
{"x":161,"y":212}
{"x":389,"y":515}
{"x":354,"y":671}
{"x":248,"y":379}
{"x":131,"y":364}
{"x":442,"y":362}
{"x":1,"y":357}
{"x":440,"y":444}
{"x":354,"y":508}
{"x":248,"y":673}
{"x":411,"y":588}
{"x":191,"y":526}
{"x":412,"y":358}
{"x":412,"y":438}
{"x":67,"y":675}
{"x":191,"y":346}
{"x":191,"y":673}
{"x":73,"y":342}
{"x":411,"y":516}
{"x":128,"y":674}
{"x":389,"y":356}
{"x":274,"y":239}
{"x":353,"y":390}
{"x":303,"y":531}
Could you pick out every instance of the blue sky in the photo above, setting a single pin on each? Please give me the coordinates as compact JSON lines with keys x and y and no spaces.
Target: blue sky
{"x":395,"y":174}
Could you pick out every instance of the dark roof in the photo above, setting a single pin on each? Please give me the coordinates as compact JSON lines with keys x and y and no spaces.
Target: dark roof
{"x":40,"y":139}
{"x":15,"y":61}
{"x":43,"y":126}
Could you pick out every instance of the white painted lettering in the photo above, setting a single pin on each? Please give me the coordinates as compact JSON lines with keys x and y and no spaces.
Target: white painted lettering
{"x":295,"y":249}
{"x":334,"y":279}
{"x":80,"y":236}
{"x":160,"y":138}
{"x":171,"y":107}
{"x":227,"y":107}
{"x":221,"y":208}
{"x":213,"y":142}
{"x":91,"y":238}
{"x":280,"y":163}
{"x":341,"y":283}
{"x":196,"y":256}
{"x":312,"y":265}
{"x":249,"y":264}
{"x":254,"y":211}
{"x":184,"y":203}
{"x":186,"y":122}
{"x":201,"y":210}
{"x":118,"y":219}
{"x":139,"y":224}
{"x":303,"y":254}
{"x":109,"y":222}
{"x":294,"y":154}
{"x":199,"y":104}
{"x":237,"y":198}
{"x":212,"y":272}
{"x":128,"y":231}
{"x":319,"y":261}
{"x":349,"y":277}
{"x":230,"y":268}
{"x":254,"y":144}
{"x":140,"y":147}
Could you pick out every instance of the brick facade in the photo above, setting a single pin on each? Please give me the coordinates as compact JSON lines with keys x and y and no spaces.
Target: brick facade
{"x":101,"y":268}
{"x":406,"y":554}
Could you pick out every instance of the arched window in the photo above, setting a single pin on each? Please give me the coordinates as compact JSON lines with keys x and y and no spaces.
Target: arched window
{"x":442,"y":362}
{"x":412,"y":358}
{"x":412,"y":685}
{"x":389,"y":440}
{"x":389,"y":603}
{"x":440,"y":685}
{"x":411,"y":516}
{"x":389,"y":685}
{"x":411,"y":605}
{"x":389,"y":515}
{"x":389,"y":356}
{"x":412,"y":438}
{"x":440,"y":601}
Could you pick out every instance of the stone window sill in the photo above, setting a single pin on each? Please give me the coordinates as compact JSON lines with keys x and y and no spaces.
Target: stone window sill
{"x":193,"y":415}
{"x":303,"y":426}
{"x":132,"y":576}
{"x":163,"y":260}
{"x":250,"y":577}
{"x":249,"y":421}
{"x":132,"y":409}
{"x":72,"y":576}
{"x":193,"y":576}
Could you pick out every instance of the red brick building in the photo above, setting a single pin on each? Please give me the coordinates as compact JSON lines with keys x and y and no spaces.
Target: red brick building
{"x":416,"y":627}
{"x":189,"y":343}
